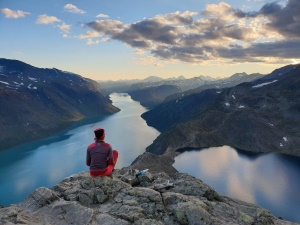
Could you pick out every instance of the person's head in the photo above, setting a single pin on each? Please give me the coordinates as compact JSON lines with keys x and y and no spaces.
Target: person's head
{"x":99,"y":134}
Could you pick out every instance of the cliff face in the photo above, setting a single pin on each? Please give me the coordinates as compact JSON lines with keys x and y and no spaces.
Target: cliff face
{"x":152,"y":96}
{"x":261,"y":116}
{"x":155,"y":198}
{"x":37,"y":102}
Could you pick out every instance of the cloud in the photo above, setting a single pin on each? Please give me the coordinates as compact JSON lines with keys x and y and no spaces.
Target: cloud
{"x":102,"y":16}
{"x":45,"y":19}
{"x":14,"y":14}
{"x":65,"y":28}
{"x":218,"y":34}
{"x":139,"y":51}
{"x":285,"y":20}
{"x":282,"y":19}
{"x":109,"y":27}
{"x":89,"y":35}
{"x":91,"y":42}
{"x":73,"y":9}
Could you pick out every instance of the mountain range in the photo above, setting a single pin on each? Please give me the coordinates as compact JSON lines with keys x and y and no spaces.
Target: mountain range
{"x":36,"y":102}
{"x":260,"y":116}
{"x":153,"y":90}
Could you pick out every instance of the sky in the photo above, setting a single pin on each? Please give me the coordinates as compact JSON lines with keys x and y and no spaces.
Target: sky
{"x":134,"y":39}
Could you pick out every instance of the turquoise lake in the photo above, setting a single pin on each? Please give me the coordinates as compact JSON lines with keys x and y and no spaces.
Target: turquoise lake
{"x":47,"y":162}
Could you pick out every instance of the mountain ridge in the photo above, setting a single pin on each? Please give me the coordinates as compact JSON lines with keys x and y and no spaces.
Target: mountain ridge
{"x":261,"y":116}
{"x":39,"y":102}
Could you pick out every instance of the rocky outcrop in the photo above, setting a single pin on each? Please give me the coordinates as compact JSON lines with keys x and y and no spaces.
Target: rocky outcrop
{"x":154,"y":198}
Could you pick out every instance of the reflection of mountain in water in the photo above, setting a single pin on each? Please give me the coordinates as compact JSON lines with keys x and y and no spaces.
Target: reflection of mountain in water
{"x":269,"y":180}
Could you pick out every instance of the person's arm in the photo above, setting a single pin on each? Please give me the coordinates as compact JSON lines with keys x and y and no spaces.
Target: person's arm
{"x":88,"y":158}
{"x":111,"y":160}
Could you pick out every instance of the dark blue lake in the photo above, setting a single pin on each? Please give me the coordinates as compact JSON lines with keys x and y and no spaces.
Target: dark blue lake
{"x":47,"y":162}
{"x":268,"y":180}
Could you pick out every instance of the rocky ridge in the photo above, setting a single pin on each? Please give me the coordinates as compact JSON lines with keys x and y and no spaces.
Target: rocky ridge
{"x":154,"y":198}
{"x":258,"y":116}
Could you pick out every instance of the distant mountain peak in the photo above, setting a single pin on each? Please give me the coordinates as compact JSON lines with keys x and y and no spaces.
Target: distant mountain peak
{"x":152,"y":79}
{"x":239,"y":75}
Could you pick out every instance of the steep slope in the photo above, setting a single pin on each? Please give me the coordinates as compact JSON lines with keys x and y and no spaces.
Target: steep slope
{"x":38,"y":102}
{"x":152,"y":96}
{"x":259,"y":116}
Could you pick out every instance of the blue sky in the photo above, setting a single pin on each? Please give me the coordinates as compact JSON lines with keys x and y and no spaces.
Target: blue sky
{"x":125,"y":39}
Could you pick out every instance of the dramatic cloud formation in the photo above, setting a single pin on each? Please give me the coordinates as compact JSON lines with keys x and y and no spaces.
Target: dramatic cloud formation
{"x":285,"y":20}
{"x":220,"y":33}
{"x":14,"y":14}
{"x":45,"y":19}
{"x":73,"y":9}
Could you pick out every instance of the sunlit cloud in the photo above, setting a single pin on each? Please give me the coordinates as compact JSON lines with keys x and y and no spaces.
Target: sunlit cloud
{"x":105,"y":39}
{"x":102,"y":16}
{"x":14,"y":14}
{"x":65,"y":28}
{"x":89,"y":34}
{"x":90,"y":41}
{"x":73,"y":9}
{"x":139,"y":51}
{"x":45,"y":19}
{"x":220,"y":33}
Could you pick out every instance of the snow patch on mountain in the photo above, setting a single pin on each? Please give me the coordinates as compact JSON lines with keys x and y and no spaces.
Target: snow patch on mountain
{"x":29,"y":87}
{"x":33,"y":79}
{"x":263,"y":84}
{"x":4,"y":82}
{"x":285,"y":139}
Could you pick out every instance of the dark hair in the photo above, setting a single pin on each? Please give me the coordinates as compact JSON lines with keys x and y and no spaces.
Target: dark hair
{"x":99,"y":133}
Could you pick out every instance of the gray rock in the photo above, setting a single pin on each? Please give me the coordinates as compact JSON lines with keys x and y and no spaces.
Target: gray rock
{"x":80,"y":199}
{"x":39,"y":198}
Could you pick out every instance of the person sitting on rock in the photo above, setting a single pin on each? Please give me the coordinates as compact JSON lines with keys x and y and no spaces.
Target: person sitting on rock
{"x":100,"y":157}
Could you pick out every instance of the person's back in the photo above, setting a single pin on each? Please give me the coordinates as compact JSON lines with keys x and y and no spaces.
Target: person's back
{"x":100,"y":157}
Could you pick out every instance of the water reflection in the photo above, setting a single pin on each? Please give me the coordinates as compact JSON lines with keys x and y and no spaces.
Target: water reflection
{"x":269,"y":180}
{"x":46,"y":162}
